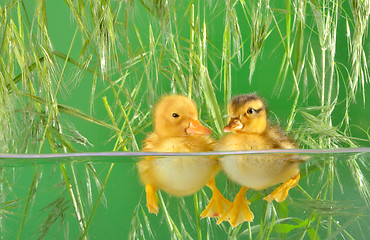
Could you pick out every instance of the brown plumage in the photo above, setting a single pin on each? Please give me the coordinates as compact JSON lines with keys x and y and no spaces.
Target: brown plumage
{"x":250,"y":130}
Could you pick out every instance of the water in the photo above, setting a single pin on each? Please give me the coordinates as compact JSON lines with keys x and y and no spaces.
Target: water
{"x":99,"y":195}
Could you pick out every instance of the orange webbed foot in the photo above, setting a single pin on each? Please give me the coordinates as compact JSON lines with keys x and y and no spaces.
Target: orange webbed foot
{"x":218,"y":203}
{"x":151,"y":198}
{"x":281,"y":193}
{"x":239,"y":211}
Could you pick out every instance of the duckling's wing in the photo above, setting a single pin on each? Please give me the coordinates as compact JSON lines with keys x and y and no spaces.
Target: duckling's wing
{"x":149,"y":142}
{"x":279,"y":138}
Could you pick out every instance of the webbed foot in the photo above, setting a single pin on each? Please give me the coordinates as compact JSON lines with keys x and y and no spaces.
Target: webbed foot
{"x":239,"y":211}
{"x":151,"y":198}
{"x":281,"y":193}
{"x":218,"y":203}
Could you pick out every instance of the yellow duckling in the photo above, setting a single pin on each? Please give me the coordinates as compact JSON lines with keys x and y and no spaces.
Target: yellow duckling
{"x":249,"y":130}
{"x":176,"y":129}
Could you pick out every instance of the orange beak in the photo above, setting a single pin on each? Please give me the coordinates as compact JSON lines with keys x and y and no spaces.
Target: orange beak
{"x":197,"y":128}
{"x":233,"y":125}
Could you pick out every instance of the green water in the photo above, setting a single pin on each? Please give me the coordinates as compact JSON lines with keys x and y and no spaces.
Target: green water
{"x":112,"y":203}
{"x":133,"y":52}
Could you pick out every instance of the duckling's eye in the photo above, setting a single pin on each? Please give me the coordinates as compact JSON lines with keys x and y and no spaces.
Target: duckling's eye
{"x":175,"y":115}
{"x":251,"y":111}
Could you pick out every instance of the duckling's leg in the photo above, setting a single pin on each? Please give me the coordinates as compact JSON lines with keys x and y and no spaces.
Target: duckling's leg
{"x":239,"y":211}
{"x":218,"y":204}
{"x":151,"y":198}
{"x":281,"y":193}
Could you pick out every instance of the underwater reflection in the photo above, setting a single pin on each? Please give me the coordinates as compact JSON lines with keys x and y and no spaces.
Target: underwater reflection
{"x":185,"y":175}
{"x":180,"y":175}
{"x":260,"y":171}
{"x":256,"y":171}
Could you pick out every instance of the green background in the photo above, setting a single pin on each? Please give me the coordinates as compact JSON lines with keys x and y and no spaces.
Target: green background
{"x":36,"y":202}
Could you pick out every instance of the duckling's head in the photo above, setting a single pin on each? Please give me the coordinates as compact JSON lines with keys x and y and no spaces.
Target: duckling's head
{"x":248,"y":114}
{"x":176,"y":116}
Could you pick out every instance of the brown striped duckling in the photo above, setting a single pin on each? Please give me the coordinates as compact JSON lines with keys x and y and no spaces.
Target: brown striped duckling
{"x":249,"y":129}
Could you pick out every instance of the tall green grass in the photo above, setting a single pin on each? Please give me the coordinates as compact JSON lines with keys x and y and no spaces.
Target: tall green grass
{"x":129,"y":53}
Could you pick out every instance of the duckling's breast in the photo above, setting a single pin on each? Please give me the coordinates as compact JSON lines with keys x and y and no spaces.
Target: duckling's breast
{"x":180,"y":175}
{"x":259,"y":171}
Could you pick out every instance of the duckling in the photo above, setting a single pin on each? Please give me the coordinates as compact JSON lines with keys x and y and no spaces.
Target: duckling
{"x":176,"y":129}
{"x":250,"y":130}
